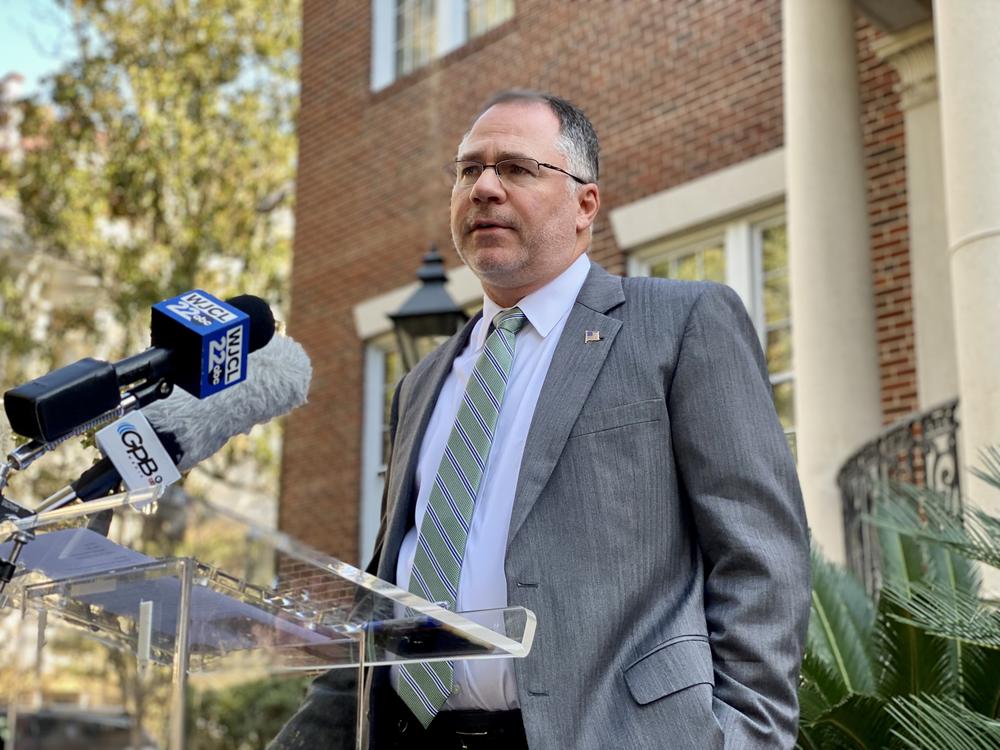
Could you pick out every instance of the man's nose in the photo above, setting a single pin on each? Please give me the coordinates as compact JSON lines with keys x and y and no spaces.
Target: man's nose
{"x":488,"y":188}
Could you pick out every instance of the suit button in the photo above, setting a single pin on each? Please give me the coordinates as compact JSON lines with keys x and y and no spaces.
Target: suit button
{"x":402,"y":726}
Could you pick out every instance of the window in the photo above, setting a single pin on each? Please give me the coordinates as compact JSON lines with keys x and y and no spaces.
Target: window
{"x":383,"y":370}
{"x":750,"y":255}
{"x":408,"y":34}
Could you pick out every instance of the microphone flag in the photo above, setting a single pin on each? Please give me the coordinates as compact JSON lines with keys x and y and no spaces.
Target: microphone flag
{"x":202,"y":326}
{"x":131,"y":444}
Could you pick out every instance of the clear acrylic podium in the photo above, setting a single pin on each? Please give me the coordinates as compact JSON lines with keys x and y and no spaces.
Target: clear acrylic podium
{"x":195,"y":589}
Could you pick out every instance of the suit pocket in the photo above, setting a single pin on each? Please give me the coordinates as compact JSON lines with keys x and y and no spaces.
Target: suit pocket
{"x":619,"y":416}
{"x":670,"y":668}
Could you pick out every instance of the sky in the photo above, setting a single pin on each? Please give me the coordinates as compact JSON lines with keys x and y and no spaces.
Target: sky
{"x":34,"y":39}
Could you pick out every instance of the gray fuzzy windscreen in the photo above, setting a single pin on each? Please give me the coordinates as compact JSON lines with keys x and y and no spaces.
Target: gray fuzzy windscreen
{"x":278,"y":377}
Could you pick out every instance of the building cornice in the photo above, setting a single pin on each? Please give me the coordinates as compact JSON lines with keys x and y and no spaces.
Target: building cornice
{"x":911,"y":53}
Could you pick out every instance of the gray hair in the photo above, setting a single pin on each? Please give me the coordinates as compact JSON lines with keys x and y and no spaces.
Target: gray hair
{"x":577,"y":138}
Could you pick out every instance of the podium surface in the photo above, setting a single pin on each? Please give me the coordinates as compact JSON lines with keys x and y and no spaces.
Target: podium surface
{"x":198,"y":589}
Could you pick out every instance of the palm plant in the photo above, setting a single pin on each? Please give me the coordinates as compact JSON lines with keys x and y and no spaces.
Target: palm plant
{"x":920,"y":668}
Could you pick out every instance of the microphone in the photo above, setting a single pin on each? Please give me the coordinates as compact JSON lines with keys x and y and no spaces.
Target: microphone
{"x":198,"y":343}
{"x":192,"y":430}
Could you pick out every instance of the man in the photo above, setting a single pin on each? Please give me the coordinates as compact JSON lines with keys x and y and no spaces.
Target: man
{"x":630,"y":484}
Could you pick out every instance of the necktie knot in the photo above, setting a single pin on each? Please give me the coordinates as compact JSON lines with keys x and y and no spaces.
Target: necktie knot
{"x":512,"y":320}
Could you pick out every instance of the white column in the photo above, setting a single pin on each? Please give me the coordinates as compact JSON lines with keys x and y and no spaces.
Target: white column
{"x":969,"y":79}
{"x":837,"y":406}
{"x":911,"y":53}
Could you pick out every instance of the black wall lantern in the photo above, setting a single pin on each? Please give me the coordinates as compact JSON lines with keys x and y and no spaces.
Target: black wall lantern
{"x":429,"y":315}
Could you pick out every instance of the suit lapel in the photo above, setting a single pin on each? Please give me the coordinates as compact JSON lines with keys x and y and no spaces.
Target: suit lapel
{"x":574,"y":368}
{"x":419,"y":395}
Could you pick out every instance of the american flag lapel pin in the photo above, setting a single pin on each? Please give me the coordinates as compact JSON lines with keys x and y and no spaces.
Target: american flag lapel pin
{"x":590,"y":337}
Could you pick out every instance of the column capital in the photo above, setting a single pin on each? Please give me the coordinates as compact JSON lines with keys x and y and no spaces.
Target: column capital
{"x":911,"y":53}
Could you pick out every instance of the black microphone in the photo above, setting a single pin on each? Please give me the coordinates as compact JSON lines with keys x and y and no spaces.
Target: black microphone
{"x":198,"y":343}
{"x":192,"y":430}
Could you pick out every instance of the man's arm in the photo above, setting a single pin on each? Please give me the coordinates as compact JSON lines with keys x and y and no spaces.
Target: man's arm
{"x":737,"y":471}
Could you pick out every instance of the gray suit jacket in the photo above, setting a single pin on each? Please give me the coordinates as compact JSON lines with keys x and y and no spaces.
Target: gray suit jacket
{"x":658,"y":530}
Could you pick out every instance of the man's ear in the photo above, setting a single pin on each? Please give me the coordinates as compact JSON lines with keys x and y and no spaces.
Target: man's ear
{"x":588,"y":202}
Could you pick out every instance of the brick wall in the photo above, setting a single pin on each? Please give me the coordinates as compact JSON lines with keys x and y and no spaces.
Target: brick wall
{"x":885,"y":161}
{"x":676,"y":90}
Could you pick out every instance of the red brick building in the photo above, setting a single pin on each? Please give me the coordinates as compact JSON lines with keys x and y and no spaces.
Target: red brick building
{"x":711,"y":115}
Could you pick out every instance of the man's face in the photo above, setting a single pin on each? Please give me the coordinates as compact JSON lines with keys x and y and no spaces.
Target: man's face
{"x":518,"y":238}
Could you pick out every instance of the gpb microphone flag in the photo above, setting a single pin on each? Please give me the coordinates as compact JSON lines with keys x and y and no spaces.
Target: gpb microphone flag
{"x":133,"y":447}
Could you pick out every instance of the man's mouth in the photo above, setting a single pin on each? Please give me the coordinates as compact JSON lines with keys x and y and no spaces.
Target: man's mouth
{"x":487,"y":224}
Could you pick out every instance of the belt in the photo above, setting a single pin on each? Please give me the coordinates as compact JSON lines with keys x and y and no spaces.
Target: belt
{"x":450,"y":730}
{"x":470,"y":730}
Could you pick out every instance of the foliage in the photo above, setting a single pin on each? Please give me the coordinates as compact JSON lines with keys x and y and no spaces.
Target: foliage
{"x":160,"y":158}
{"x":918,"y":668}
{"x":245,"y":716}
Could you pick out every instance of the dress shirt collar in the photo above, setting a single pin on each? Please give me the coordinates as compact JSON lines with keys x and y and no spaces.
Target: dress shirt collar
{"x":544,"y":307}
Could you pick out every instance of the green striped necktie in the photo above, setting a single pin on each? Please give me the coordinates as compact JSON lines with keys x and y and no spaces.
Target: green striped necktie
{"x":437,"y":563}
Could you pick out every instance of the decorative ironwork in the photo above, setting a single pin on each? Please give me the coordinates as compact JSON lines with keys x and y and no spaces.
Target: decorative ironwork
{"x":921,"y":449}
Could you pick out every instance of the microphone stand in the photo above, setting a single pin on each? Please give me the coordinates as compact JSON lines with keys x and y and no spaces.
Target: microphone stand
{"x":25,"y":455}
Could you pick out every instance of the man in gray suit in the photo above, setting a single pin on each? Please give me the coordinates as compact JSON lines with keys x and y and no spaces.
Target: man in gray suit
{"x":635,"y":490}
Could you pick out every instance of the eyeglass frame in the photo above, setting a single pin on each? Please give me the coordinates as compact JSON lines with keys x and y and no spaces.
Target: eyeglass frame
{"x":449,"y":168}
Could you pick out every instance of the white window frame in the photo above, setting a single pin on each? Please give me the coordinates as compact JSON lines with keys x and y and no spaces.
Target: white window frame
{"x":372,"y":458}
{"x":744,"y":257}
{"x":741,"y":240}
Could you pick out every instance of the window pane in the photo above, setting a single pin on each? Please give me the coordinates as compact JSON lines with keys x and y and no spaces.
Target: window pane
{"x":485,"y":14}
{"x":715,"y":265}
{"x":774,"y":263}
{"x":416,"y":34}
{"x":779,"y":350}
{"x":660,"y":270}
{"x":687,"y":268}
{"x":707,"y":264}
{"x":774,"y":242}
{"x":783,"y":403}
{"x":391,"y":375}
{"x":777,"y":307}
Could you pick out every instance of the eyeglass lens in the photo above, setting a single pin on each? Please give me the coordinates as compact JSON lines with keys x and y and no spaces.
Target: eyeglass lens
{"x":510,"y":171}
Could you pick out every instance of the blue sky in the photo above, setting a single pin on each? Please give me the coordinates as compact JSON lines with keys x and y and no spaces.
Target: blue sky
{"x":34,"y":39}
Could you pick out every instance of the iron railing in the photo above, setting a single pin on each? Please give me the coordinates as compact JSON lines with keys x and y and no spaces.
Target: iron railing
{"x":921,"y":449}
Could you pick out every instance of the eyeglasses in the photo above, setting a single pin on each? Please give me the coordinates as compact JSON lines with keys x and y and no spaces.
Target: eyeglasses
{"x":519,"y":172}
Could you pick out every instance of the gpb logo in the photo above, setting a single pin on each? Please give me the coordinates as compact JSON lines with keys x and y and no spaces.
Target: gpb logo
{"x":137,"y":453}
{"x":200,"y":309}
{"x":225,"y":357}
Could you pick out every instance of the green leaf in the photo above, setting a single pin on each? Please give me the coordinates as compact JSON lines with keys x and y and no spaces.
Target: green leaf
{"x":840,"y":626}
{"x":990,"y":473}
{"x":911,"y":660}
{"x":926,"y":515}
{"x":820,"y":689}
{"x":860,"y":722}
{"x":949,"y":614}
{"x":929,"y":723}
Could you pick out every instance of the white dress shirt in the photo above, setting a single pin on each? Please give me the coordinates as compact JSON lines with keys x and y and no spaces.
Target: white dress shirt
{"x":488,"y":684}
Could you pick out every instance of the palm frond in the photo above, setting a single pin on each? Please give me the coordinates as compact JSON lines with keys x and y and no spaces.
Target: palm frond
{"x":904,"y":558}
{"x":925,"y":514}
{"x":840,"y":627}
{"x":910,"y":660}
{"x":821,"y":688}
{"x":981,"y":689}
{"x":990,"y":473}
{"x":860,"y":722}
{"x":945,"y":613}
{"x":925,"y":722}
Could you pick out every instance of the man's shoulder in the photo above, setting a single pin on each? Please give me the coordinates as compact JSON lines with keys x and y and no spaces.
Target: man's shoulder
{"x":672,"y":296}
